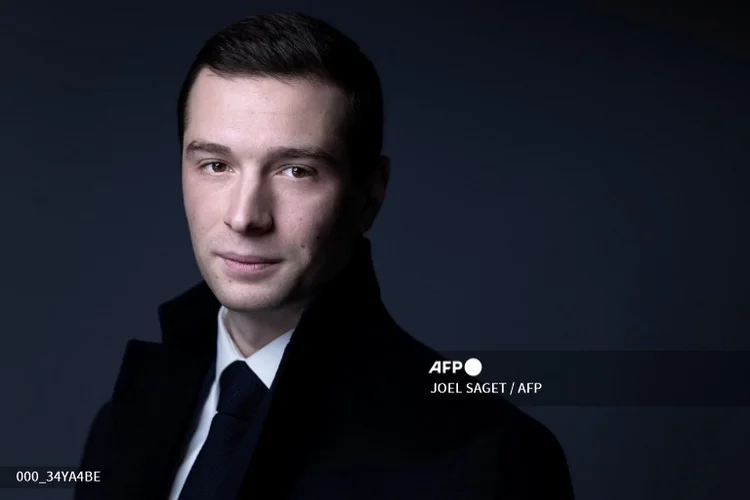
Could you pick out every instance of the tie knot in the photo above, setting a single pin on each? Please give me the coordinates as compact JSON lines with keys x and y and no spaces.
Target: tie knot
{"x":240,"y":391}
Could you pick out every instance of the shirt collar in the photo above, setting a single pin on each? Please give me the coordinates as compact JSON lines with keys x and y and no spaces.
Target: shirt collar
{"x":264,"y":362}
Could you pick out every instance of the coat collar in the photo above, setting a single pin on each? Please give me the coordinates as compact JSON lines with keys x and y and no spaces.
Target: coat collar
{"x":159,"y":386}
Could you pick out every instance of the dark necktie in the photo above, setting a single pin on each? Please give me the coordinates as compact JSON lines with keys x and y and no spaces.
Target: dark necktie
{"x":240,"y":394}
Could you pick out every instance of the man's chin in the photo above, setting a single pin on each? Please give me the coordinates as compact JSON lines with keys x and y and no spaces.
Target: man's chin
{"x":249,"y":303}
{"x":248,"y":297}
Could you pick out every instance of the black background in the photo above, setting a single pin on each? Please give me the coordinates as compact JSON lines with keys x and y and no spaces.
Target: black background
{"x":564,"y":177}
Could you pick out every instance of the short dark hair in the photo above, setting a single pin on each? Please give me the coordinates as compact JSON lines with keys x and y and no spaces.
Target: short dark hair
{"x":289,"y":45}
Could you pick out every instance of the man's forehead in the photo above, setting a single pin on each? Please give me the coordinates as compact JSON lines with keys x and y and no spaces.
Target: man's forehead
{"x":267,"y":94}
{"x":263,"y":106}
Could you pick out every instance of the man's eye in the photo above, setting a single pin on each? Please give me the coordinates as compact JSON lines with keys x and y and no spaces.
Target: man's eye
{"x":298,"y":172}
{"x":215,"y":167}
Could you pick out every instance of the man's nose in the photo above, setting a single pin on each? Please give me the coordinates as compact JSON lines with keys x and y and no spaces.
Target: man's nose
{"x":249,"y":209}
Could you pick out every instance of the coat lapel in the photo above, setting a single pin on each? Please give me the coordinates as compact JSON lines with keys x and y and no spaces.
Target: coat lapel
{"x":152,"y":412}
{"x":159,"y":392}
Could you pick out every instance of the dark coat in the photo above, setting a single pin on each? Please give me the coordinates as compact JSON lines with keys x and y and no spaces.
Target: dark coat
{"x":349,"y":414}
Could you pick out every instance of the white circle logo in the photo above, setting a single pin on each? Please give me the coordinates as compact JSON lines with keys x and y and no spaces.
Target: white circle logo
{"x":473,"y":367}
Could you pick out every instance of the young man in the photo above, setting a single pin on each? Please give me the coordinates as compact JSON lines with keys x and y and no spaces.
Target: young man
{"x":282,"y":375}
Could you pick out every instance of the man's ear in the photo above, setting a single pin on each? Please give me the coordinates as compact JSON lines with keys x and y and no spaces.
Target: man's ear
{"x":375,"y":187}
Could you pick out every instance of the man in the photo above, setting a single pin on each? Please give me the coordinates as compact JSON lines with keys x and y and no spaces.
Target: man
{"x":282,"y":375}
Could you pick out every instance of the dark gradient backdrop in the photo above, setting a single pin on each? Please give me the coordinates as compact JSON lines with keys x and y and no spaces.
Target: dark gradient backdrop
{"x":562,"y":179}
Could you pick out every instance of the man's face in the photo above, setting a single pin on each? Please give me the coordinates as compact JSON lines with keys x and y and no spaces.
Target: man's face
{"x":265,"y":181}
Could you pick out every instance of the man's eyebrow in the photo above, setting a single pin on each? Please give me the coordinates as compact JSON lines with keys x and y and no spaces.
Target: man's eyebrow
{"x":207,"y":147}
{"x":313,"y":152}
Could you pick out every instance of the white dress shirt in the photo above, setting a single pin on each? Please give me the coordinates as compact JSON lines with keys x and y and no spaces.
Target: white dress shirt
{"x":264,"y":362}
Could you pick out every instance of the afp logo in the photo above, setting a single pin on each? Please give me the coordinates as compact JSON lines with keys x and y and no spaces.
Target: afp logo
{"x":471,"y":366}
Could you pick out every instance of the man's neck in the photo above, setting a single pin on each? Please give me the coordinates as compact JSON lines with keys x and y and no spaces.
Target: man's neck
{"x":253,"y":330}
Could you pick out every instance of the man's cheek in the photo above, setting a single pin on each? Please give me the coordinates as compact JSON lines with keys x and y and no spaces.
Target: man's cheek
{"x":318,"y":221}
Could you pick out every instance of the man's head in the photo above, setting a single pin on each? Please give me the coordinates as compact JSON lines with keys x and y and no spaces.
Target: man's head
{"x":280,"y":125}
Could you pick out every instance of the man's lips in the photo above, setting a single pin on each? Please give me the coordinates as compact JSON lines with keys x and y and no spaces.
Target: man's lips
{"x":248,"y":259}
